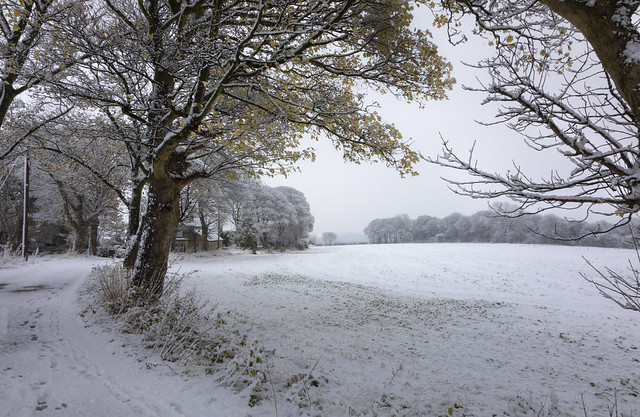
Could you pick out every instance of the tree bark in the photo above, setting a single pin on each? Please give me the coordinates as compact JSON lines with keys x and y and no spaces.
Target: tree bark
{"x":93,"y":237}
{"x":158,"y":223}
{"x":8,"y":95}
{"x":133,"y":235}
{"x":80,"y":236}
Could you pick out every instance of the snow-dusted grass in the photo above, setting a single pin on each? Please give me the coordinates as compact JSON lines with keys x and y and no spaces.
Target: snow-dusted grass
{"x":404,"y":330}
{"x":427,"y":329}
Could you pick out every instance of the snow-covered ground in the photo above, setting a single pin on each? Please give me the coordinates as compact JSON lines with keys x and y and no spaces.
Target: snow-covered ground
{"x":419,"y":330}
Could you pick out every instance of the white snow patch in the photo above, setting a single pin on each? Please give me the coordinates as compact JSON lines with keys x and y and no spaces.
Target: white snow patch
{"x":632,"y":52}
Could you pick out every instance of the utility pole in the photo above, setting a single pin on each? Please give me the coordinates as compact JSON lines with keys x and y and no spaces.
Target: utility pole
{"x":219,"y":242}
{"x":25,"y":211}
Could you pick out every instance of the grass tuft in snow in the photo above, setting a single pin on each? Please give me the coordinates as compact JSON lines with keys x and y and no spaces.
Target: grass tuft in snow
{"x":14,"y":258}
{"x":109,"y":285}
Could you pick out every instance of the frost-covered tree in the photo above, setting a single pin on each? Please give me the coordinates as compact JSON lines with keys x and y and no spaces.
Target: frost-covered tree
{"x":209,"y":201}
{"x":84,"y":202}
{"x":210,"y":212}
{"x":373,"y":232}
{"x":397,"y":229}
{"x":296,"y":234}
{"x":422,"y":229}
{"x":402,"y":226}
{"x":565,"y":73}
{"x":266,"y":217}
{"x":83,"y":176}
{"x":272,"y":214}
{"x":90,"y":143}
{"x":328,"y":238}
{"x":243,"y":81}
{"x":11,"y":206}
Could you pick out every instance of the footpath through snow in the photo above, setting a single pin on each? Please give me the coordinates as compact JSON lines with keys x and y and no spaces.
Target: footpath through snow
{"x":52,"y":364}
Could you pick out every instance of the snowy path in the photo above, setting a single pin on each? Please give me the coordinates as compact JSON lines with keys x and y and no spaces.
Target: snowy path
{"x":51,"y":364}
{"x":48,"y":358}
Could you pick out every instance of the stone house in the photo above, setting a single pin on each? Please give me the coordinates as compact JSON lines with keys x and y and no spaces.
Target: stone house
{"x":188,"y":238}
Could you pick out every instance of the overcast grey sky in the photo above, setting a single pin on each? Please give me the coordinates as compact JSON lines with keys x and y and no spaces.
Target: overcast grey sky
{"x":345,"y":197}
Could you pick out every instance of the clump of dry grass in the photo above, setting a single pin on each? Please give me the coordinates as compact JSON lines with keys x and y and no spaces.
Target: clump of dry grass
{"x":110,"y":285}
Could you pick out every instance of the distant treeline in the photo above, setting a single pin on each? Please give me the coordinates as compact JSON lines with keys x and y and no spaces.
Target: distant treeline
{"x":487,"y":226}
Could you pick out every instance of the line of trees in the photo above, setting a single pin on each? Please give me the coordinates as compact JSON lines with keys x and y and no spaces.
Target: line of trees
{"x":487,"y":226}
{"x":71,"y":210}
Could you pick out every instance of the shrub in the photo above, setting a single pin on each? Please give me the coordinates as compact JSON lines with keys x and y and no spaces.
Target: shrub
{"x":110,"y":285}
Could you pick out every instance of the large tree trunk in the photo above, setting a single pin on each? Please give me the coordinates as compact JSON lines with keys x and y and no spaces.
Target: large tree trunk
{"x":158,"y":223}
{"x":133,"y":235}
{"x":80,"y":236}
{"x":162,"y":212}
{"x":93,"y":237}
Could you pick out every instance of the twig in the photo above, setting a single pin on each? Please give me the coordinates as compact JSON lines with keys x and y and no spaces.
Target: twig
{"x":304,"y":380}
{"x":273,"y":391}
{"x":623,"y":291}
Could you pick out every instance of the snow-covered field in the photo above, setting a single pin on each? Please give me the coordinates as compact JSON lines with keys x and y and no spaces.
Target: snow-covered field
{"x":418,"y":330}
